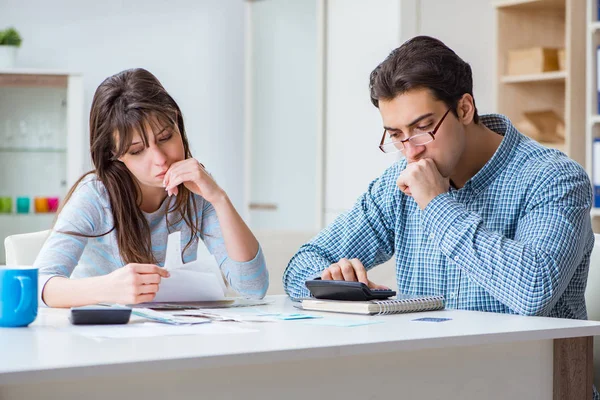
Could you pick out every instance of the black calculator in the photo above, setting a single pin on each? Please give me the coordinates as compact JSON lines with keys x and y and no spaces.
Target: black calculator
{"x":345,"y":290}
{"x":100,"y":315}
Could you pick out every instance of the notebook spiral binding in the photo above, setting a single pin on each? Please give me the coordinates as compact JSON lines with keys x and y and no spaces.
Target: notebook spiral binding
{"x":407,"y":305}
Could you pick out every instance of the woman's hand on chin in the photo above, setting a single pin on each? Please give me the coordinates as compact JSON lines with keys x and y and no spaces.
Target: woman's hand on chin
{"x":195,"y":178}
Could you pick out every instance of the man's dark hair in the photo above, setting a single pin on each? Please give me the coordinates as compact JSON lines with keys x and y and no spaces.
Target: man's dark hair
{"x":423,"y":62}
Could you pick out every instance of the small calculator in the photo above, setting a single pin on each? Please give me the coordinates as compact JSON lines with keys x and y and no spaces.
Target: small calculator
{"x":100,"y":315}
{"x":345,"y":290}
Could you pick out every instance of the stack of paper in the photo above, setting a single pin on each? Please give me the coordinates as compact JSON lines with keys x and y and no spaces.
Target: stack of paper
{"x":167,"y":318}
{"x":199,"y":280}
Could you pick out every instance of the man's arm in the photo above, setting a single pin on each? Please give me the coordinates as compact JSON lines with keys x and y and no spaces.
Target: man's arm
{"x":366,"y":232}
{"x":530,"y":272}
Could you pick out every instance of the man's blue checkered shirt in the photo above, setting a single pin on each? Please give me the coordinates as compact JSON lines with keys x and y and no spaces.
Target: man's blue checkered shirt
{"x":515,"y":239}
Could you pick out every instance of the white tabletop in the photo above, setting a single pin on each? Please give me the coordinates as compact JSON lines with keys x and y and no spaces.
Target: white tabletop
{"x":42,"y":353}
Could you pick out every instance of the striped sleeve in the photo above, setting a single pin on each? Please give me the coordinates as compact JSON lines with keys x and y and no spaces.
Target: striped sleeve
{"x":530,"y":272}
{"x":249,"y":278}
{"x":365,"y":232}
{"x":84,"y":213}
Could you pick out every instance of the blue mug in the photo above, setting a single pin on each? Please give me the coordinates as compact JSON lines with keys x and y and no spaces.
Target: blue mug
{"x":18,"y":295}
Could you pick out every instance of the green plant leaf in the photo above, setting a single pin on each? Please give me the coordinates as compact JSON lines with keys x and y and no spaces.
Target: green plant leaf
{"x":10,"y":37}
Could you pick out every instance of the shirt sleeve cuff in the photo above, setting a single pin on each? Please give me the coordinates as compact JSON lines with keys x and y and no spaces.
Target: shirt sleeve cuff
{"x":248,"y":278}
{"x":446,"y":221}
{"x":42,"y":281}
{"x":438,"y":219}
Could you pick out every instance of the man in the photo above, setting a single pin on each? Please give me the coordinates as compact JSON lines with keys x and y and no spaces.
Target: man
{"x":474,"y":211}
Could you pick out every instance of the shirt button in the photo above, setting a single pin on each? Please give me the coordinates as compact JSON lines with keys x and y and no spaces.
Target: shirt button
{"x":456,"y":258}
{"x":431,"y":236}
{"x":452,"y":295}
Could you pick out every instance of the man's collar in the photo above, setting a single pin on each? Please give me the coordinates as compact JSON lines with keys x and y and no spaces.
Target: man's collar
{"x":495,"y":165}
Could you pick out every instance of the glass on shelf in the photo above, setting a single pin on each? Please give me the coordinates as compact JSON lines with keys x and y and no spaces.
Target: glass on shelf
{"x":8,"y":134}
{"x":41,"y":130}
{"x":23,"y":205}
{"x":46,"y":126}
{"x":5,"y":204}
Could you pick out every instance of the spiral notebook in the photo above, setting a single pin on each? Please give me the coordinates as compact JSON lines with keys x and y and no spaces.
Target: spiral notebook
{"x":401,"y":304}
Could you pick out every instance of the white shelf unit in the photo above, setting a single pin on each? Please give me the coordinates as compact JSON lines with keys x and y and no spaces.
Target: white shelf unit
{"x":42,"y":142}
{"x":523,"y":24}
{"x":592,"y":125}
{"x":321,"y":159}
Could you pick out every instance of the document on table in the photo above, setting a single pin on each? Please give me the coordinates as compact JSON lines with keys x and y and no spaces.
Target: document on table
{"x":170,"y":318}
{"x":199,"y":280}
{"x":232,"y":315}
{"x":228,"y":302}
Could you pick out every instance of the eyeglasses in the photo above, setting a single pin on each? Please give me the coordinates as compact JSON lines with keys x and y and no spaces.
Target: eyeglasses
{"x":420,"y":139}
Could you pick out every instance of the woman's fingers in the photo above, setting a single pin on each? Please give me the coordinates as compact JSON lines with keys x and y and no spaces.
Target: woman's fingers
{"x":148,"y":279}
{"x":148,"y":289}
{"x":189,"y":165}
{"x":180,"y":178}
{"x":144,"y":298}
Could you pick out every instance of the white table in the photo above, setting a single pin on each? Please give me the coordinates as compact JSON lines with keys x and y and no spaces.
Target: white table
{"x":473,"y":356}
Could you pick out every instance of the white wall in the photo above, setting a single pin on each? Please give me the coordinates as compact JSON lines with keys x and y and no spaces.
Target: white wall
{"x":468,"y":28}
{"x":284,"y":92}
{"x":194,"y":47}
{"x":353,"y":125}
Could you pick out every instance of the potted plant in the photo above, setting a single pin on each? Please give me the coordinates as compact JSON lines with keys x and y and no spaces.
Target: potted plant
{"x":10,"y":40}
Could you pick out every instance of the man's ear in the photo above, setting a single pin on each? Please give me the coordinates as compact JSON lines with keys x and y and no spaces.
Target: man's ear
{"x":466,"y":109}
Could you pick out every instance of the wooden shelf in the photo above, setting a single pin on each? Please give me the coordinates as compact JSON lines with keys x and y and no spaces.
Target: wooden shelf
{"x":31,"y":150}
{"x":595,"y":212}
{"x":558,"y":76}
{"x":530,"y":4}
{"x":556,"y":24}
{"x":37,"y":71}
{"x":33,"y":80}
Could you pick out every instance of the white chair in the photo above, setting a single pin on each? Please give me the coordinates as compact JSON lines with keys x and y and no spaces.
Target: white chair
{"x":23,"y":249}
{"x":280,"y":246}
{"x":592,"y":300}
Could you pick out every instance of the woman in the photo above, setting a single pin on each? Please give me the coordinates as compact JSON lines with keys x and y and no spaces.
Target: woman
{"x":112,"y":230}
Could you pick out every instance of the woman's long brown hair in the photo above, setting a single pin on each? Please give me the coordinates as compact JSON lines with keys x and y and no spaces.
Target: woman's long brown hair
{"x":123,"y":104}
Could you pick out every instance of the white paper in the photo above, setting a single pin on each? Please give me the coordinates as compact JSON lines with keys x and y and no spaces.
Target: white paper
{"x":199,"y":280}
{"x":223,"y":316}
{"x":169,"y":318}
